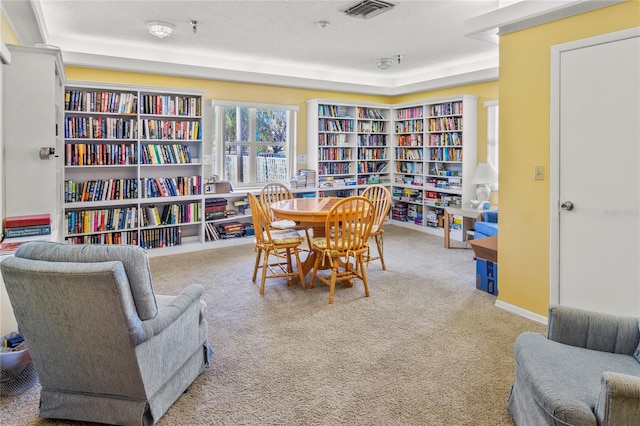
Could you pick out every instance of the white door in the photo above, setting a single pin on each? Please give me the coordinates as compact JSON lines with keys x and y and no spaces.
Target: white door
{"x":597,"y":208}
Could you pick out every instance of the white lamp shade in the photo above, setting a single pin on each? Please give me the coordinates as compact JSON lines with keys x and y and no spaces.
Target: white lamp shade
{"x":485,"y":174}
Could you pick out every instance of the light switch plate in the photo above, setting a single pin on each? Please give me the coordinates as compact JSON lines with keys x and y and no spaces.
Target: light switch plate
{"x":538,"y":172}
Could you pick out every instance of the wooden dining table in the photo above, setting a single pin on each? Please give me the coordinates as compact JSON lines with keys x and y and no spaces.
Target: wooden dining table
{"x":311,"y":212}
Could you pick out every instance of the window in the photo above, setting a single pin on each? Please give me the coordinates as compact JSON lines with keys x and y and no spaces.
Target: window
{"x":492,"y":135}
{"x":253,"y":143}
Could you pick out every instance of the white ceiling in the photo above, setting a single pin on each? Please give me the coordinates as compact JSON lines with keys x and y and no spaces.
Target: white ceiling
{"x":273,"y":41}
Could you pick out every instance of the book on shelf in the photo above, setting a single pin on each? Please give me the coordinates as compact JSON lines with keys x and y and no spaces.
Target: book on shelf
{"x":27,"y":220}
{"x":27,"y":231}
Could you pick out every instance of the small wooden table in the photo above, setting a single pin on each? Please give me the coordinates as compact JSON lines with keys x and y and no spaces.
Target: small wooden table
{"x":304,"y":210}
{"x":469,"y":216}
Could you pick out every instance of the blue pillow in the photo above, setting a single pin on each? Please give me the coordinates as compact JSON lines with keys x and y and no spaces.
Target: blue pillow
{"x":636,"y":354}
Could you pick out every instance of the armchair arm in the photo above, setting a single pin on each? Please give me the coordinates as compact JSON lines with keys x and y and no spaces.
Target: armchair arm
{"x":619,"y":399}
{"x":593,"y":330}
{"x":169,"y":313}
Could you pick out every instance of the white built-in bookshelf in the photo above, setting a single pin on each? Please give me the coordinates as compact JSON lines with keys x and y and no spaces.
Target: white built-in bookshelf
{"x":348,"y":145}
{"x":435,"y":156}
{"x":425,"y":151}
{"x":132,"y":166}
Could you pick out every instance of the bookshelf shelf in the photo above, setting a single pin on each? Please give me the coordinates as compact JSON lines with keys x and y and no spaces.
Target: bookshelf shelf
{"x":131,"y":152}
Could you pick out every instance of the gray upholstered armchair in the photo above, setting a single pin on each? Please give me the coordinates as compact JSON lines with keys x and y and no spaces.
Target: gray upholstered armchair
{"x":583,"y":373}
{"x":106,"y":348}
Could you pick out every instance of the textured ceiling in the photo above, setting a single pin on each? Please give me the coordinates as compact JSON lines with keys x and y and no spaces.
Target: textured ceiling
{"x":278,"y":37}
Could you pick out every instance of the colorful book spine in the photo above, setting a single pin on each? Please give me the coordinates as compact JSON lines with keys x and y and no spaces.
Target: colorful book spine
{"x":28,"y":220}
{"x":27,"y":231}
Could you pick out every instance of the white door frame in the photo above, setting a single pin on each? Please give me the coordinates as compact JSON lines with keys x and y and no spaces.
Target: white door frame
{"x":554,"y":147}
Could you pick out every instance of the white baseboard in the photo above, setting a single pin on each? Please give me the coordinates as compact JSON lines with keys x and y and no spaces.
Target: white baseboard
{"x":522,"y":312}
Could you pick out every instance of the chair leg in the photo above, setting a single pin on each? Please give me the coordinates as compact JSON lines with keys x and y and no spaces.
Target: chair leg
{"x":332,"y":286}
{"x":265,"y":266}
{"x":380,"y":244}
{"x":364,"y":275}
{"x":257,"y":265}
{"x":316,"y":265}
{"x":299,"y":265}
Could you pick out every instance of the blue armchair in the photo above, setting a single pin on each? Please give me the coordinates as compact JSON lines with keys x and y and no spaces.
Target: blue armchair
{"x":487,"y":226}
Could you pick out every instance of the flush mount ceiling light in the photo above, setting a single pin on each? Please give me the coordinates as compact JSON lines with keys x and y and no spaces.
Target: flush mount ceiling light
{"x":384,"y":63}
{"x":322,"y":24}
{"x":160,"y":29}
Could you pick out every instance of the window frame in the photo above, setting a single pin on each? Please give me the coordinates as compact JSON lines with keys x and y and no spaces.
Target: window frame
{"x":219,"y":143}
{"x":493,"y":136}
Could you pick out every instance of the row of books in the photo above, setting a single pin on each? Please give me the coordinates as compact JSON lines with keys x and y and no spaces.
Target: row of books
{"x":408,"y":113}
{"x":334,"y":168}
{"x":372,"y":154}
{"x":408,"y":154}
{"x":101,"y":220}
{"x":449,"y":108}
{"x":165,"y":154}
{"x":331,"y":111}
{"x":335,"y":125}
{"x":124,"y":237}
{"x":171,"y":130}
{"x":445,"y":154}
{"x":372,"y":140}
{"x":170,"y":214}
{"x":99,"y":154}
{"x":445,"y":123}
{"x":161,"y":237}
{"x":372,"y":166}
{"x":100,"y":190}
{"x":80,"y":127}
{"x":171,"y":105}
{"x":100,"y":101}
{"x":170,"y":186}
{"x":445,"y":139}
{"x":410,"y":126}
{"x":331,"y":139}
{"x":328,"y":154}
{"x":410,"y":140}
{"x":370,"y":113}
{"x":372,"y":126}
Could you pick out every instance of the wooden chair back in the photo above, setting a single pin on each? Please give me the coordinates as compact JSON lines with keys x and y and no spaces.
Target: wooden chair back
{"x":271,"y":193}
{"x":380,"y":196}
{"x":349,"y":224}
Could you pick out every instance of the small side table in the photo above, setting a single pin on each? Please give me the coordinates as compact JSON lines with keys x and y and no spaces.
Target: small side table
{"x":469,"y":216}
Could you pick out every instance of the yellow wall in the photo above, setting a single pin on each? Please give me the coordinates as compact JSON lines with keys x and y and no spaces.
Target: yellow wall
{"x":525,"y":59}
{"x":6,"y":31}
{"x":284,"y":95}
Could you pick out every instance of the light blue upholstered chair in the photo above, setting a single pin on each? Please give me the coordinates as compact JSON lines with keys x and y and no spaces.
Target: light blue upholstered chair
{"x":106,"y":348}
{"x":586,"y":371}
{"x":487,"y":226}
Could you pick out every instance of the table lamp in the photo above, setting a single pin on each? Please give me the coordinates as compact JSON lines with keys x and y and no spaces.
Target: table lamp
{"x":485,"y":175}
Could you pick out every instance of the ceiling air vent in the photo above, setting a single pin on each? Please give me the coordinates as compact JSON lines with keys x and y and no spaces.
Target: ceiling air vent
{"x":368,"y":8}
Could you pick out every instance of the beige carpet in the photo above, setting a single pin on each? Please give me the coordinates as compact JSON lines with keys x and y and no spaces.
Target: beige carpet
{"x":426,"y":348}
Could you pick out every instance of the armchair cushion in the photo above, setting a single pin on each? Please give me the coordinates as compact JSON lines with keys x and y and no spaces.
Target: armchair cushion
{"x":133,"y":258}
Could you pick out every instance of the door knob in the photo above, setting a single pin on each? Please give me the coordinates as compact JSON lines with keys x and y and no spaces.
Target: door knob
{"x":567,"y":205}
